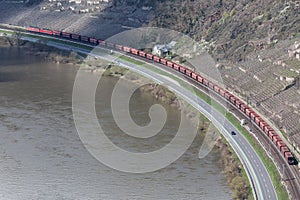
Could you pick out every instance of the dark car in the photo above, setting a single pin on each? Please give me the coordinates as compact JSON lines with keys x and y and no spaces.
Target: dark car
{"x":233,"y":133}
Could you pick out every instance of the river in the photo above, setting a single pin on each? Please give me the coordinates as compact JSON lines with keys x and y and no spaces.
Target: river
{"x":42,"y":156}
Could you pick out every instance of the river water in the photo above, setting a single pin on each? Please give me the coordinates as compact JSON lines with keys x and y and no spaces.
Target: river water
{"x":42,"y":156}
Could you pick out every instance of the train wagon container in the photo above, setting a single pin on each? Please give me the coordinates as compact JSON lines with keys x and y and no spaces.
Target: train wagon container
{"x":267,"y":129}
{"x":102,"y":42}
{"x":84,"y":38}
{"x":176,"y":67}
{"x":238,"y":103}
{"x":194,"y":75}
{"x":243,"y":107}
{"x":216,"y":88}
{"x":149,"y":56}
{"x":211,"y":85}
{"x":163,"y":61}
{"x":75,"y":36}
{"x":111,"y":45}
{"x":119,"y":47}
{"x":284,"y":149}
{"x":66,"y":35}
{"x":188,"y":72}
{"x":222,"y":92}
{"x":272,"y":135}
{"x":156,"y":58}
{"x":227,"y":95}
{"x":182,"y":69}
{"x":32,"y":29}
{"x":258,"y":120}
{"x":232,"y":99}
{"x":276,"y":140}
{"x":93,"y":41}
{"x":253,"y":116}
{"x":262,"y":124}
{"x":200,"y":79}
{"x":56,"y":33}
{"x":205,"y":81}
{"x":248,"y":111}
{"x":289,"y":157}
{"x":135,"y":51}
{"x":127,"y":49}
{"x":46,"y":31}
{"x":170,"y":64}
{"x":281,"y":145}
{"x":142,"y":54}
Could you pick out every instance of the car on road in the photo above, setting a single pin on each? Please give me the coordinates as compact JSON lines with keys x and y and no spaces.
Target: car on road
{"x":233,"y":133}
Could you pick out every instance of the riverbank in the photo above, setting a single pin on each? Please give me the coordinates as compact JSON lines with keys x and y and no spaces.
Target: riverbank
{"x":230,"y":164}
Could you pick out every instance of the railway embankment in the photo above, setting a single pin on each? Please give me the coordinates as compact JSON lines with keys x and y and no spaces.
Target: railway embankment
{"x":230,"y":164}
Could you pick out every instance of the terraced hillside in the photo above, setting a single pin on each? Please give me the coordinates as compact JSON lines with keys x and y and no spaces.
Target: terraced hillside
{"x":255,"y":44}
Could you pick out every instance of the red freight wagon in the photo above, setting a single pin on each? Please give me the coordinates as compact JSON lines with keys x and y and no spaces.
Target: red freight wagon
{"x":248,"y":111}
{"x":200,"y":79}
{"x":163,"y":61}
{"x":149,"y":56}
{"x":276,"y":139}
{"x":238,"y":103}
{"x":243,"y":107}
{"x":169,"y":64}
{"x":188,"y":72}
{"x":232,"y":99}
{"x":33,"y":29}
{"x":102,"y":42}
{"x":119,"y":47}
{"x":222,"y":92}
{"x":284,"y":149}
{"x":56,"y":33}
{"x":253,"y":115}
{"x":93,"y":41}
{"x":257,"y":120}
{"x":272,"y":135}
{"x":135,"y":51}
{"x":267,"y":128}
{"x":176,"y":67}
{"x":227,"y":95}
{"x":75,"y":36}
{"x":216,"y":88}
{"x":66,"y":35}
{"x":194,"y":76}
{"x":84,"y":38}
{"x":211,"y":85}
{"x":156,"y":58}
{"x":182,"y":69}
{"x":45,"y":31}
{"x":142,"y":53}
{"x":127,"y":49}
{"x":280,"y":144}
{"x":205,"y":82}
{"x":262,"y":124}
{"x":289,"y":157}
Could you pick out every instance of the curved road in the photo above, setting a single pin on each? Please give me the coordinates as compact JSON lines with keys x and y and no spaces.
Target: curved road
{"x":256,"y":171}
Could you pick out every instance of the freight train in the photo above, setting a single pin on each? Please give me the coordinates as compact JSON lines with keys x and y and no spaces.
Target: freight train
{"x":233,"y":100}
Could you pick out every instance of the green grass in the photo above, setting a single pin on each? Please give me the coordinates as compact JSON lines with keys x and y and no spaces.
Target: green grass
{"x":133,"y":61}
{"x":280,"y":190}
{"x":270,"y":166}
{"x":4,"y":31}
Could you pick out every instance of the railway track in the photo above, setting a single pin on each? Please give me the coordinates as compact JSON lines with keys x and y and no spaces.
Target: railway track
{"x":290,"y":174}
